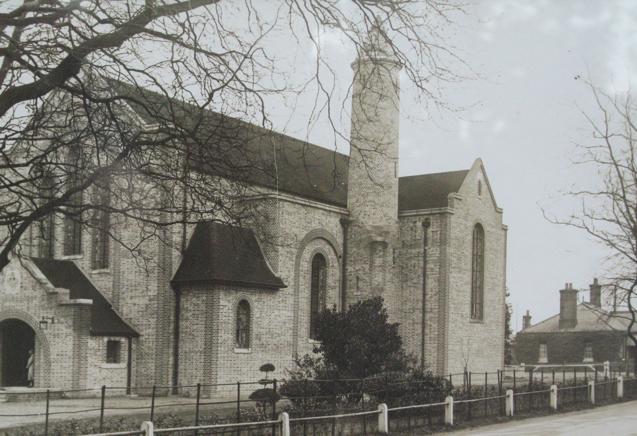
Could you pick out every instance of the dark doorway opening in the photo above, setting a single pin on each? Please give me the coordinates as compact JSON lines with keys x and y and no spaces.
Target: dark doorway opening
{"x":16,"y":339}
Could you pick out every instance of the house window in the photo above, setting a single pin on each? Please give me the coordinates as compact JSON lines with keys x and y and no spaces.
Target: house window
{"x":318,"y":290}
{"x":588,"y":352}
{"x":243,"y":325}
{"x":46,"y":248}
{"x":113,"y":351}
{"x":543,"y":358}
{"x":477,"y":274}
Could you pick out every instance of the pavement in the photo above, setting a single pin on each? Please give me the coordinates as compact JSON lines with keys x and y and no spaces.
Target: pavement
{"x":614,"y":420}
{"x":18,"y":414}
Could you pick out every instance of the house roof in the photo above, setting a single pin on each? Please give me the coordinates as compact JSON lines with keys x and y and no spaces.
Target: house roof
{"x":589,"y":318}
{"x":235,"y":149}
{"x":220,"y":253}
{"x":105,"y":321}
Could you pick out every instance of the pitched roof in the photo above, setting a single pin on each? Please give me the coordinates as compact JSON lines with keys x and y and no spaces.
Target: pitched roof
{"x":220,"y":253}
{"x":105,"y":321}
{"x":428,"y":191}
{"x":235,"y":149}
{"x":589,"y":318}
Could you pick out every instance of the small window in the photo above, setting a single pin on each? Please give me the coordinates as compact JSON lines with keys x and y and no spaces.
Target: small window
{"x":479,"y":188}
{"x":588,"y":352}
{"x":243,"y":325}
{"x":543,"y":358}
{"x":113,"y":351}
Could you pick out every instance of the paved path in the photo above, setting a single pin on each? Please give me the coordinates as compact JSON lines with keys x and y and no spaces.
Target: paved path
{"x":615,"y":420}
{"x":33,"y":412}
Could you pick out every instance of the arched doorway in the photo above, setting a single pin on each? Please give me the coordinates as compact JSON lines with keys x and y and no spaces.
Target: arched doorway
{"x":16,"y":339}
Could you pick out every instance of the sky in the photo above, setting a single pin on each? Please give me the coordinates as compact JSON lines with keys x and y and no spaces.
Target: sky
{"x":521,"y":113}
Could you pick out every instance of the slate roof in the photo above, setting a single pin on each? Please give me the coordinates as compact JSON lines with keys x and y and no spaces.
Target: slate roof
{"x":104,"y":319}
{"x":428,"y":191}
{"x":589,"y":319}
{"x":234,"y":149}
{"x":220,"y":253}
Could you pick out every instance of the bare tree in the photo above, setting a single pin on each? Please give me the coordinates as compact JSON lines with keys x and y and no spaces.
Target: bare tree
{"x":607,"y":207}
{"x":126,"y":107}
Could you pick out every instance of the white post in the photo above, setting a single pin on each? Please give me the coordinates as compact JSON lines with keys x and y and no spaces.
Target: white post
{"x":509,"y":403}
{"x":591,"y":391}
{"x":449,"y":410}
{"x":383,"y":419}
{"x":554,"y":397}
{"x":607,"y":369}
{"x":285,"y":424}
{"x":620,"y":387}
{"x":147,"y":428}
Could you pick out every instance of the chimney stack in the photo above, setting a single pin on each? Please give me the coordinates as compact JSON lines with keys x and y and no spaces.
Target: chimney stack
{"x":526,"y":320}
{"x":596,"y":293}
{"x":568,"y":307}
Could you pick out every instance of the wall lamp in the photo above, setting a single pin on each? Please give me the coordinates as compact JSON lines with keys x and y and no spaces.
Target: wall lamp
{"x":44,"y":322}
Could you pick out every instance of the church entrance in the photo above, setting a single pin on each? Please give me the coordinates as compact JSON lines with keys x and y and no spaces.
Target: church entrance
{"x":16,"y":339}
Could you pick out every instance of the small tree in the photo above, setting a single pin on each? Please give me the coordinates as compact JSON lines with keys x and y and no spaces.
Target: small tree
{"x":508,"y":330}
{"x":360,"y":342}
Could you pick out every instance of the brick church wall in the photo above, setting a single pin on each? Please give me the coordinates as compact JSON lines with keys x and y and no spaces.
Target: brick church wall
{"x":476,"y":344}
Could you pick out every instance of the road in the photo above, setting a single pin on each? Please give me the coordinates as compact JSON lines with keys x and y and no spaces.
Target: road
{"x":615,"y":420}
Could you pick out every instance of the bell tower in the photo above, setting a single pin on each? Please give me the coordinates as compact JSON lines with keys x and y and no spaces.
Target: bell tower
{"x":372,"y":197}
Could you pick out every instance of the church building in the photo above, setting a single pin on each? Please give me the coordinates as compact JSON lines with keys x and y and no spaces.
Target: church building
{"x":332,"y":230}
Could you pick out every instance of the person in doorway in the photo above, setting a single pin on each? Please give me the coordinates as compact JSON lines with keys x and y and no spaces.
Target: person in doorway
{"x":30,"y":368}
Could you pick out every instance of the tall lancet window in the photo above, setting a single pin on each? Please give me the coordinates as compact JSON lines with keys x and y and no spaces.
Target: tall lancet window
{"x":243,"y":325}
{"x":46,"y":247}
{"x":101,"y":224}
{"x":318,"y":290}
{"x":477,"y":274}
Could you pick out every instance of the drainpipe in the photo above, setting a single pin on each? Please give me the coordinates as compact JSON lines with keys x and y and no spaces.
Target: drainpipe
{"x":425,"y":225}
{"x":176,"y":340}
{"x":345,"y":222}
{"x":129,"y":366}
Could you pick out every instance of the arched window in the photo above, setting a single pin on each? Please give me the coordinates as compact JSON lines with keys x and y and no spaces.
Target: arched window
{"x":243,"y":325}
{"x":73,"y":219}
{"x":477,"y":273}
{"x":318,"y":290}
{"x":47,"y":225}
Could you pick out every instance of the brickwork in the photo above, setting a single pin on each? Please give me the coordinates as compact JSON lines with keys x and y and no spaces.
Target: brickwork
{"x":568,"y":347}
{"x":101,"y":373}
{"x":476,"y":344}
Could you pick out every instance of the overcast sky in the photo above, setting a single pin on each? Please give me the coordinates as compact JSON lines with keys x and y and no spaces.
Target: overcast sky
{"x":523,"y":116}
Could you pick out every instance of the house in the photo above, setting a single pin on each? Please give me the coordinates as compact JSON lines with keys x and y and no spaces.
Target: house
{"x":331,"y":230}
{"x":581,"y":333}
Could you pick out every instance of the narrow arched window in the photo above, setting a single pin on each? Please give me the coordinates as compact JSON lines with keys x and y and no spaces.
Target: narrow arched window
{"x":318,"y":290}
{"x":243,"y":325}
{"x":47,"y":225}
{"x":477,"y":273}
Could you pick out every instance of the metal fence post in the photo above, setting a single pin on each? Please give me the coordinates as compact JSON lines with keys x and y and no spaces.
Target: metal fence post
{"x":383,"y":419}
{"x":449,"y":410}
{"x":152,"y":405}
{"x":620,"y":387}
{"x":147,"y":428}
{"x":197,"y":406}
{"x":102,"y":408}
{"x":553,"y":397}
{"x":509,"y":403}
{"x":591,"y":392}
{"x":46,"y":419}
{"x":238,"y":408}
